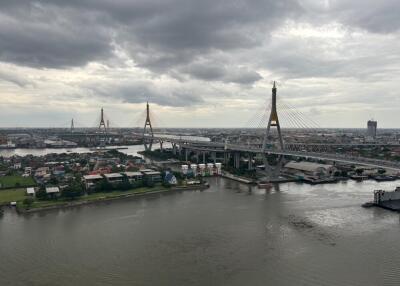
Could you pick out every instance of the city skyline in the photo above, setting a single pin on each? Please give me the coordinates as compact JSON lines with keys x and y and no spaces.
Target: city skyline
{"x":208,"y":64}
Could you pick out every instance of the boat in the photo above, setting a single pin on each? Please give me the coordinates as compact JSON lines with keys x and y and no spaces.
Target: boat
{"x":368,"y":205}
{"x":359,"y":178}
{"x":384,"y":178}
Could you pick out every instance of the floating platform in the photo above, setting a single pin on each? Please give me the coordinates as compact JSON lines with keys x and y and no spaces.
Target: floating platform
{"x":390,"y":205}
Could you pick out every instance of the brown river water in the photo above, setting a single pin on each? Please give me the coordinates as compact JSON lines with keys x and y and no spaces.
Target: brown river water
{"x":230,"y":234}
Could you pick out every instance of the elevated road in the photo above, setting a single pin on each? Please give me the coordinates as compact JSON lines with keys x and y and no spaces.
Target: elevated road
{"x":207,"y":146}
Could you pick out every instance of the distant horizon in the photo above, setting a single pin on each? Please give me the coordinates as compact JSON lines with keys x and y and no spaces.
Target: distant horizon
{"x":167,"y":127}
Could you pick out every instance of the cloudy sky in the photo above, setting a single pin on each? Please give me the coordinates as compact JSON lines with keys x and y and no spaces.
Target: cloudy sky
{"x":207,"y":63}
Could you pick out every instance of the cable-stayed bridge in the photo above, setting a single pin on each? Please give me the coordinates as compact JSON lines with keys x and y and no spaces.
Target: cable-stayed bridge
{"x":326,"y":151}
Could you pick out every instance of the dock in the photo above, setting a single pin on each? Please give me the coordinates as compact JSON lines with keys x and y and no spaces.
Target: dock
{"x":237,"y":178}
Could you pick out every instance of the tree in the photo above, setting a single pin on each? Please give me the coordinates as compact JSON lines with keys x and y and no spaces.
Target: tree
{"x":104,"y":186}
{"x":28,"y":202}
{"x":337,"y":173}
{"x":74,"y":190}
{"x":41,"y":194}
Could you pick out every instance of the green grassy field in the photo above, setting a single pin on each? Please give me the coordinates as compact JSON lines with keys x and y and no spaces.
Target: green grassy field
{"x":92,"y":197}
{"x":16,"y":181}
{"x":11,"y":195}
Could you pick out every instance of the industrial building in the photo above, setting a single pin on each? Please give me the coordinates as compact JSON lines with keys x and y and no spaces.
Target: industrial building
{"x":305,"y":168}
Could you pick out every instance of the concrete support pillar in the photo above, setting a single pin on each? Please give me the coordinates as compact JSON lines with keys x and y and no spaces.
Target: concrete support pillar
{"x":226,"y":158}
{"x":250,"y":167}
{"x":186,"y":154}
{"x":197,"y":157}
{"x":161,"y":145}
{"x":214,"y":157}
{"x":236,"y":160}
{"x":204,"y":157}
{"x":174,"y":148}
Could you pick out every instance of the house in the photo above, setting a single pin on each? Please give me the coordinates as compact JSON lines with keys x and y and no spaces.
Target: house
{"x":52,"y":191}
{"x":28,"y":170}
{"x":59,"y":170}
{"x":170,"y":178}
{"x":151,"y":175}
{"x":30,"y":191}
{"x":133,"y":176}
{"x":17,"y":166}
{"x":92,"y":180}
{"x":42,"y":172}
{"x":114,"y":178}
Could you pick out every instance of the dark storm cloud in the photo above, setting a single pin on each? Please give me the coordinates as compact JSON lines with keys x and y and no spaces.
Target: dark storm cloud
{"x":158,"y":34}
{"x":40,"y":36}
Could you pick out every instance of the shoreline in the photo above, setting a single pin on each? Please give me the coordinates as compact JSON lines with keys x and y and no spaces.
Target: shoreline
{"x":71,"y":204}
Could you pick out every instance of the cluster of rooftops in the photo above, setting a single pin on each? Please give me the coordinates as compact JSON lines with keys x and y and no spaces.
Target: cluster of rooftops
{"x":111,"y":176}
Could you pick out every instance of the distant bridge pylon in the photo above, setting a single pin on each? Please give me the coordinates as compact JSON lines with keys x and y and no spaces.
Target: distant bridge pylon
{"x":148,"y":138}
{"x":102,"y":129}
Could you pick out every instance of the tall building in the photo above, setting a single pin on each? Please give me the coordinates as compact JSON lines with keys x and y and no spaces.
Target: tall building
{"x":371,"y":128}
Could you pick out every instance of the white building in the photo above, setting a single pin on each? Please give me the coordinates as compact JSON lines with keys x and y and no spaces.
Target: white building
{"x":53,"y":191}
{"x":185,"y":169}
{"x":30,"y":191}
{"x":193,"y":167}
{"x":218,"y":166}
{"x":202,"y":169}
{"x":210,"y":168}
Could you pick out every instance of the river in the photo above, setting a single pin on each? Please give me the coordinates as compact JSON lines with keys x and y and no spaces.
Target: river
{"x":230,"y":234}
{"x":130,"y":150}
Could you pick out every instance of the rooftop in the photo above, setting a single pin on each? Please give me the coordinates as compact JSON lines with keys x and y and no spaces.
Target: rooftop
{"x":113,"y":175}
{"x":133,"y":174}
{"x":51,"y":190}
{"x":92,"y":177}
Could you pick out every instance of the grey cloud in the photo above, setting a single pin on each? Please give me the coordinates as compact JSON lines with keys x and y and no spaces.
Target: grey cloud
{"x":140,"y":92}
{"x":212,"y":72}
{"x":158,"y":34}
{"x":372,"y":15}
{"x":40,"y":36}
{"x":15,"y":78}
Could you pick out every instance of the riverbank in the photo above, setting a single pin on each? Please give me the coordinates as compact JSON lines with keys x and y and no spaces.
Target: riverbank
{"x":39,"y":206}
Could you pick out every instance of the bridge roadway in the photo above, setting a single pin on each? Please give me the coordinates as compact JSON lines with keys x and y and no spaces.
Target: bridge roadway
{"x":206,"y":146}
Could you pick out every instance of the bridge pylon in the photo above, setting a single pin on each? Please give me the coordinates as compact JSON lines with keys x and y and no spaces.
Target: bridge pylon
{"x":273,"y":121}
{"x":148,"y":142}
{"x":72,"y":126}
{"x":102,"y":128}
